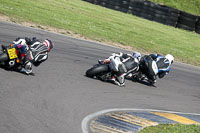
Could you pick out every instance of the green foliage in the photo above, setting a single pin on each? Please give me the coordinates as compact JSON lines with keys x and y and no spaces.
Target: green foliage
{"x":171,"y":128}
{"x":102,"y":24}
{"x":190,"y":6}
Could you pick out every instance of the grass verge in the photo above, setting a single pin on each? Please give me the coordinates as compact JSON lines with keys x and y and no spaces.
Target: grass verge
{"x":191,"y":6}
{"x":105,"y":25}
{"x":171,"y":128}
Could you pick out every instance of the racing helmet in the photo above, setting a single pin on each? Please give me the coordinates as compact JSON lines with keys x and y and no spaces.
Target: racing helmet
{"x":137,"y":55}
{"x":49,"y":44}
{"x":170,"y":58}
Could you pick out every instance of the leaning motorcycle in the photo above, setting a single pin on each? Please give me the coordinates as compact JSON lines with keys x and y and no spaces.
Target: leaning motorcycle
{"x":104,"y":71}
{"x":9,"y":58}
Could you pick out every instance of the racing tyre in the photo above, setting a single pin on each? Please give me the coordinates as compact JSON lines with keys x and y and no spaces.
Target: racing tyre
{"x":3,"y":57}
{"x":97,"y":69}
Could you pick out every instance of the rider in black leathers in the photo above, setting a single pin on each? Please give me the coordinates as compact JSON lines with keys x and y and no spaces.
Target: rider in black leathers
{"x":35,"y":52}
{"x":154,"y":65}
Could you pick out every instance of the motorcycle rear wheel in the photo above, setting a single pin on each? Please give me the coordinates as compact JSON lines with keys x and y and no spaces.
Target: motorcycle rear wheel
{"x":3,"y":57}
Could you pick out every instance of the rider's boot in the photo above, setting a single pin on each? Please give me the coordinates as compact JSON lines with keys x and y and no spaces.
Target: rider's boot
{"x":152,"y":80}
{"x":113,"y":80}
{"x":100,"y":61}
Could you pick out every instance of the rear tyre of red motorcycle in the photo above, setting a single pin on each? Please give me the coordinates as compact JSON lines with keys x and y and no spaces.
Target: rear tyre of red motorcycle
{"x":97,"y":69}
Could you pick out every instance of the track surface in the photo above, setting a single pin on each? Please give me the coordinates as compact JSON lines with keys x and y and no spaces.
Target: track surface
{"x":59,"y":96}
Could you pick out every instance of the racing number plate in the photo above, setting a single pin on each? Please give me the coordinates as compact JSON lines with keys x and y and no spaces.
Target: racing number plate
{"x":12,"y":53}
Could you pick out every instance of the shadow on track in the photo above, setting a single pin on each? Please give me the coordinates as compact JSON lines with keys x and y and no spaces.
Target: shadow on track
{"x":130,"y":79}
{"x":16,"y":70}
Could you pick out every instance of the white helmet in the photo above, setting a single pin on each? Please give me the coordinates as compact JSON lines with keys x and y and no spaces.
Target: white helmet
{"x":170,"y":58}
{"x":137,"y":55}
{"x":49,"y":44}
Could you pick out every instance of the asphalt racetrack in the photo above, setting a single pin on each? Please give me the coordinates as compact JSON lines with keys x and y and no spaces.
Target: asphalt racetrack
{"x":59,"y":96}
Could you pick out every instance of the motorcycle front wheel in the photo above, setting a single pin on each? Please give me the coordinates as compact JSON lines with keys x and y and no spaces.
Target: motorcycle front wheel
{"x":97,"y":69}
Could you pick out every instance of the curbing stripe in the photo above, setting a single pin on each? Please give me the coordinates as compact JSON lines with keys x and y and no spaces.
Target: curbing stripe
{"x":119,"y":126}
{"x":133,"y":119}
{"x":192,"y":117}
{"x":152,"y":117}
{"x":99,"y":127}
{"x":177,"y":118}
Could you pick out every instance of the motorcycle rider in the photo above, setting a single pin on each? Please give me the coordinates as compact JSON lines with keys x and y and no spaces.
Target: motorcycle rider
{"x":122,"y":64}
{"x":31,"y":52}
{"x":154,"y":65}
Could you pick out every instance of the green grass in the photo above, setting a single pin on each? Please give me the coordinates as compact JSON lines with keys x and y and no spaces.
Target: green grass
{"x":190,"y":6}
{"x":101,"y":24}
{"x":171,"y":128}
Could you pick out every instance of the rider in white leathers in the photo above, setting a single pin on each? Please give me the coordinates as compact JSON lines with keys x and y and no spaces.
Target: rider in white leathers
{"x":122,"y":64}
